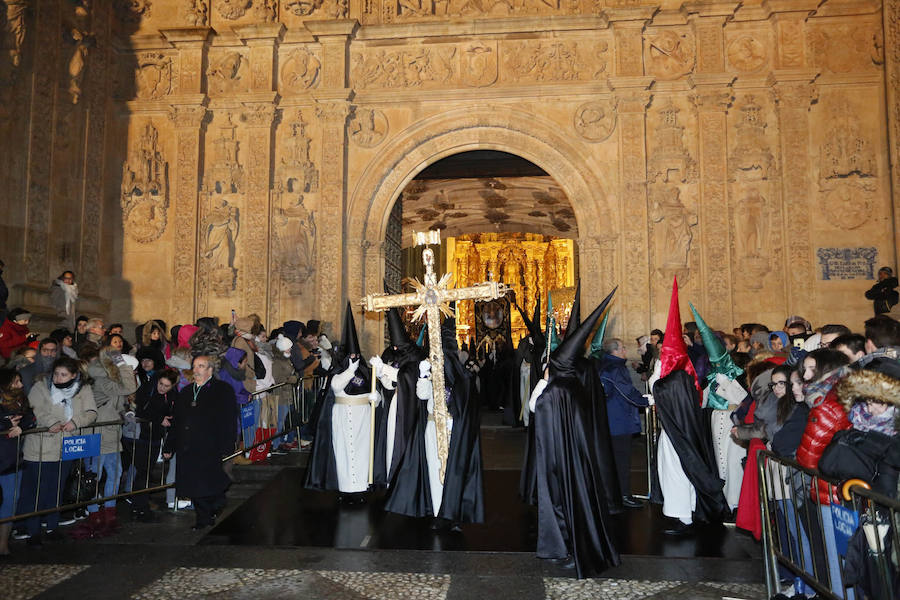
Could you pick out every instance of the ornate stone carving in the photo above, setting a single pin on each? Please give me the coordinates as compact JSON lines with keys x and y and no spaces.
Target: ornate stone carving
{"x":845,"y":151}
{"x":335,"y":9}
{"x":479,"y":64}
{"x":219,"y":233}
{"x":15,"y":27}
{"x":404,"y":68}
{"x":300,"y":70}
{"x":187,"y":116}
{"x":296,"y":172}
{"x":154,"y":75}
{"x":843,"y":48}
{"x":145,"y":189}
{"x":669,"y":54}
{"x":258,"y":114}
{"x":595,"y":121}
{"x":196,"y":13}
{"x":368,"y":127}
{"x":543,"y":61}
{"x":132,"y":11}
{"x":848,"y":204}
{"x":673,"y":232}
{"x":752,"y":235}
{"x":669,"y":159}
{"x":226,"y":74}
{"x":225,"y":173}
{"x":747,"y":54}
{"x":791,"y":42}
{"x":294,"y":255}
{"x":232,"y":9}
{"x":751,"y":158}
{"x":78,"y":34}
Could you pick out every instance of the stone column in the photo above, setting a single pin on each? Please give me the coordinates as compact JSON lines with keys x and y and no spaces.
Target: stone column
{"x":892,"y":71}
{"x":259,"y":118}
{"x":712,"y":99}
{"x":633,"y":101}
{"x":188,"y":120}
{"x":794,"y":93}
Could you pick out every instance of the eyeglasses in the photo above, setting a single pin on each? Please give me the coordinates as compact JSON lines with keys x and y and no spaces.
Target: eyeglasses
{"x":776,"y":384}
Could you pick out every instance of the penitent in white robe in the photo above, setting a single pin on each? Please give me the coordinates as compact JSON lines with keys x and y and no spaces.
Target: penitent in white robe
{"x":350,"y":434}
{"x":679,"y":495}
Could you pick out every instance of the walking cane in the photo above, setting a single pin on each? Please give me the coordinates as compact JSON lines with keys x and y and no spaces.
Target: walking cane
{"x":372,"y":431}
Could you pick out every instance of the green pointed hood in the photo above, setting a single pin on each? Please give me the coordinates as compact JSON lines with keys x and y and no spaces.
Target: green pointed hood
{"x":597,"y":342}
{"x":719,"y":358}
{"x":552,"y":338}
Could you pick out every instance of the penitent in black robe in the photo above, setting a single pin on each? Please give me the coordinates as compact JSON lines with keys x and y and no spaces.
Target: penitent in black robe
{"x":688,"y":428}
{"x":589,"y":373}
{"x":572,"y":512}
{"x":463,"y":495}
{"x":404,"y":394}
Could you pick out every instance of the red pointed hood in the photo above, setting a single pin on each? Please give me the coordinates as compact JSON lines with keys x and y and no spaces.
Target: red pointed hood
{"x":674,"y":356}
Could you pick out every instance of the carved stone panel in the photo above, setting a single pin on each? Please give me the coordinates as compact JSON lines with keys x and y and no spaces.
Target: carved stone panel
{"x":595,"y":121}
{"x":155,"y":76}
{"x":367,"y":127}
{"x":669,"y":53}
{"x":145,"y":188}
{"x":846,"y":47}
{"x":747,"y":53}
{"x":228,"y":72}
{"x":299,"y":70}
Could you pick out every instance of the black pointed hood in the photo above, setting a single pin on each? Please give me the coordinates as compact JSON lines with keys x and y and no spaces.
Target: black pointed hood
{"x":396,"y":330}
{"x":563,"y":360}
{"x":349,"y":340}
{"x":575,"y":313}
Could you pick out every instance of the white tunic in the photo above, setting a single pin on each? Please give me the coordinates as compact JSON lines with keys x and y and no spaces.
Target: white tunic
{"x":431,"y":456}
{"x":679,"y":495}
{"x":728,"y":455}
{"x":350,"y":431}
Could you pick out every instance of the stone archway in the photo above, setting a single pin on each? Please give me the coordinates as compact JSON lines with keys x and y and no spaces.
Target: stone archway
{"x":510,"y":130}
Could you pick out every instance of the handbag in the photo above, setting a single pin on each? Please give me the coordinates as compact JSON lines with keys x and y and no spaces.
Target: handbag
{"x":871,"y":456}
{"x":81,"y":484}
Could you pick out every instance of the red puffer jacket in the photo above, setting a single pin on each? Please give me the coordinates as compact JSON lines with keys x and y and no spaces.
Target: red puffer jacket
{"x":12,"y":336}
{"x":824,"y":421}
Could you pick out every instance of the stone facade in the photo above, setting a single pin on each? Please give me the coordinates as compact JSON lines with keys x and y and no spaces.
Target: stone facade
{"x":189,"y":157}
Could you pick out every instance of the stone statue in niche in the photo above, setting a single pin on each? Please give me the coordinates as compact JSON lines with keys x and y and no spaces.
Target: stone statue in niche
{"x":154,"y":75}
{"x":221,"y":227}
{"x":227,"y":73}
{"x":295,"y":247}
{"x":368,"y":127}
{"x":669,"y":160}
{"x":145,"y":189}
{"x":15,"y":28}
{"x":751,"y":224}
{"x":78,"y":33}
{"x":673,"y":232}
{"x":752,"y":158}
{"x":300,"y":71}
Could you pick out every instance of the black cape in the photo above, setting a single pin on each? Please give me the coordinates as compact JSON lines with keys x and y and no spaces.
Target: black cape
{"x":572,"y":511}
{"x":404,"y":394}
{"x":204,"y":431}
{"x":679,"y":411}
{"x":527,"y":490}
{"x":463,"y":495}
{"x":589,"y":373}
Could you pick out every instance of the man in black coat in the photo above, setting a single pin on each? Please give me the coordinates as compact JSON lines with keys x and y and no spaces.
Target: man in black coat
{"x":884,"y":293}
{"x":203,"y":432}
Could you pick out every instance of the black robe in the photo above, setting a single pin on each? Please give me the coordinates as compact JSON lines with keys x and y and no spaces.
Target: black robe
{"x":404,"y":393}
{"x":203,"y":432}
{"x":463,"y":495}
{"x":526,"y":480}
{"x":572,"y":510}
{"x":589,"y":373}
{"x":679,"y":411}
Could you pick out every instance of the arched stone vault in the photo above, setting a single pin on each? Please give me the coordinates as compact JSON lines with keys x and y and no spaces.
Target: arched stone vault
{"x":480,"y":127}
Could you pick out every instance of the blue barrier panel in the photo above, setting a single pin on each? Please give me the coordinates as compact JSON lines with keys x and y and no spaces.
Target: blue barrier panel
{"x":81,"y":446}
{"x":845,"y":523}
{"x":248,"y":415}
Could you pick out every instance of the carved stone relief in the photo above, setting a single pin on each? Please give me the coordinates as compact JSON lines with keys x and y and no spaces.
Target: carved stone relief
{"x":791,"y":43}
{"x":669,"y":54}
{"x":752,"y":237}
{"x":154,"y":75}
{"x":225,"y":174}
{"x":367,"y":127}
{"x":78,"y":34}
{"x":479,"y":65}
{"x":747,"y":54}
{"x":14,"y":28}
{"x":844,"y":48}
{"x":145,"y":188}
{"x":300,"y":71}
{"x":669,"y":159}
{"x":132,"y":11}
{"x":196,"y":13}
{"x":556,"y":60}
{"x":232,"y":9}
{"x":673,"y":231}
{"x":595,"y":121}
{"x":227,"y":73}
{"x":333,"y":9}
{"x":751,"y":157}
{"x":218,"y":245}
{"x":420,"y":67}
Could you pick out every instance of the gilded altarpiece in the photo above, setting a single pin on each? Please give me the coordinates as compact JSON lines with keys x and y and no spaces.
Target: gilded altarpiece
{"x":247,"y":153}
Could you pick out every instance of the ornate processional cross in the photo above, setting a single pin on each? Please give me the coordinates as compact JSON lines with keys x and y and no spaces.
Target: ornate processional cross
{"x":432,"y":298}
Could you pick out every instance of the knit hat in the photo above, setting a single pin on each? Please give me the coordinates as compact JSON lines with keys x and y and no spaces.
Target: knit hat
{"x":17,"y":314}
{"x":312,"y":327}
{"x":292,"y":329}
{"x":283,"y":344}
{"x":673,"y":355}
{"x":185,"y":334}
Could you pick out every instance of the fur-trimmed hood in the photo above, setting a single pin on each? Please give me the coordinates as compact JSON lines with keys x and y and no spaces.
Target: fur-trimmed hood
{"x":864,"y":385}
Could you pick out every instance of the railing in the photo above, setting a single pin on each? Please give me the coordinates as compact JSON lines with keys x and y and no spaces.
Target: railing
{"x":302,"y":401}
{"x":807,"y":539}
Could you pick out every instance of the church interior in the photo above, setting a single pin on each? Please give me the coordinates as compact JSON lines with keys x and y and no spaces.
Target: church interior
{"x":221,"y":158}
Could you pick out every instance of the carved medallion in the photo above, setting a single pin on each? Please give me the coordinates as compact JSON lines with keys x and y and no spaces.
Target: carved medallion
{"x":300,"y":70}
{"x":747,"y":54}
{"x":154,"y":75}
{"x":669,"y":54}
{"x":232,"y":9}
{"x":226,"y":74}
{"x":595,"y":121}
{"x":368,"y":127}
{"x":847,"y":205}
{"x":479,"y":64}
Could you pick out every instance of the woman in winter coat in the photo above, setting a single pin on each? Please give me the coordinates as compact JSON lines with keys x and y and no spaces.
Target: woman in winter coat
{"x":15,"y":416}
{"x":153,"y":335}
{"x":113,"y":382}
{"x":64,"y":298}
{"x":63,"y":403}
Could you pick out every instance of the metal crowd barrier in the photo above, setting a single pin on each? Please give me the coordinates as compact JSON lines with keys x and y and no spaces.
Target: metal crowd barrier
{"x":809,"y":542}
{"x":302,"y":402}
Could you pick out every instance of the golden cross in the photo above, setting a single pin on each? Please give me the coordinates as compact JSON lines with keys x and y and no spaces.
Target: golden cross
{"x":432,"y":298}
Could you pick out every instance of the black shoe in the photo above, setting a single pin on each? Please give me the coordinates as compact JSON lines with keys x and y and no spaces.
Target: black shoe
{"x":631,"y":502}
{"x":35,"y":541}
{"x":680,"y":529}
{"x":565,"y":563}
